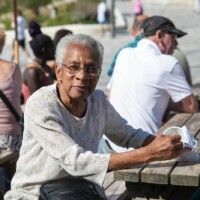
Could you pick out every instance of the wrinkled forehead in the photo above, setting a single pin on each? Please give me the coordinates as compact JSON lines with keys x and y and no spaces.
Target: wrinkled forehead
{"x":76,"y":50}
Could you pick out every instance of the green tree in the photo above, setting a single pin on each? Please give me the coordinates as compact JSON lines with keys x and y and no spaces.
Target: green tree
{"x":33,"y":4}
{"x":5,"y":6}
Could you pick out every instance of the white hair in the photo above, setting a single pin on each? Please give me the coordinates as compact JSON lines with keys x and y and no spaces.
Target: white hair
{"x":82,"y":39}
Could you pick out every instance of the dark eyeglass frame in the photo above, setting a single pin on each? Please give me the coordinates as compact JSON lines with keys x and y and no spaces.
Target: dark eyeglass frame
{"x":93,"y":73}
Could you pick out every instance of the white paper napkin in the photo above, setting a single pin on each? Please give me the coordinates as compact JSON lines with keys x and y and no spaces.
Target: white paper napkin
{"x":188,"y":141}
{"x":186,"y":137}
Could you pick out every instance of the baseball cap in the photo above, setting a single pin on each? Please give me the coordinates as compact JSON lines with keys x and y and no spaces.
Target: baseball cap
{"x":155,"y":23}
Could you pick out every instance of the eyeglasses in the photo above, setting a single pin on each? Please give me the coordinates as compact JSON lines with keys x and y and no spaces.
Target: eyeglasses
{"x":91,"y":70}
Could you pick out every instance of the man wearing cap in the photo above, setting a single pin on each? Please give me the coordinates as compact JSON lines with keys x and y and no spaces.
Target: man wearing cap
{"x":148,"y":80}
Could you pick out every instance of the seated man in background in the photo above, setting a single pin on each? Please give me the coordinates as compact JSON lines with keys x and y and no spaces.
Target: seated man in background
{"x":135,"y":31}
{"x":179,"y":55}
{"x":147,"y":77}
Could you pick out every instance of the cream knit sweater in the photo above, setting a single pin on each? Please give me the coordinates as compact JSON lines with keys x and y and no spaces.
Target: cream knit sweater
{"x":56,"y":144}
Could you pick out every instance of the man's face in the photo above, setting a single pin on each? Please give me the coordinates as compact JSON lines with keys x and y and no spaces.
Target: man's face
{"x":168,"y":43}
{"x":80,"y":84}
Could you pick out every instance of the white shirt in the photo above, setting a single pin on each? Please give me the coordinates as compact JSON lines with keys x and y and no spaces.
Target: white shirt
{"x":101,"y":9}
{"x":143,"y":81}
{"x":21,"y":26}
{"x":56,"y":144}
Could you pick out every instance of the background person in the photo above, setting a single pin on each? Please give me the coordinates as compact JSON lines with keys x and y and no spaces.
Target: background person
{"x":179,"y":55}
{"x":101,"y":16}
{"x":34,"y":28}
{"x":197,"y":6}
{"x":136,"y":32}
{"x":147,"y":81}
{"x":137,"y":7}
{"x":37,"y":73}
{"x":10,"y":128}
{"x":57,"y":37}
{"x":60,"y":34}
{"x":10,"y":84}
{"x":21,"y":26}
{"x":64,"y":123}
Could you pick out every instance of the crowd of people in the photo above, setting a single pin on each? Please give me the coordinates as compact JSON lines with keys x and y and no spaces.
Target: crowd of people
{"x":65,"y":117}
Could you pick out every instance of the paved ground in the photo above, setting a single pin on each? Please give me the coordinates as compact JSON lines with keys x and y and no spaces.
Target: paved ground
{"x":183,"y":17}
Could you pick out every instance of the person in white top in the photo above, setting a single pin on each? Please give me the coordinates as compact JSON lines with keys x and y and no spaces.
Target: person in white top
{"x":197,"y":6}
{"x":147,"y":81}
{"x":64,"y":123}
{"x":21,"y":26}
{"x":102,"y":16}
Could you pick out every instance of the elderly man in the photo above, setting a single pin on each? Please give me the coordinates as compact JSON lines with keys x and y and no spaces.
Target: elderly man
{"x":147,"y":77}
{"x":64,"y":123}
